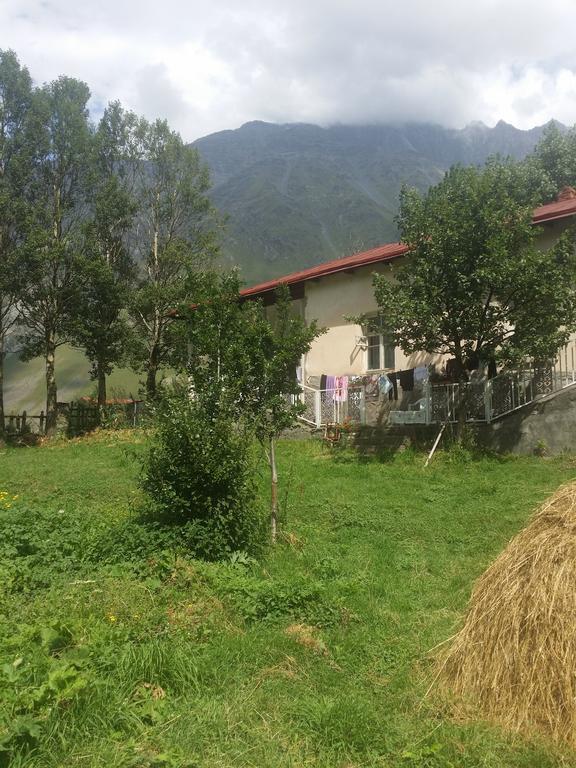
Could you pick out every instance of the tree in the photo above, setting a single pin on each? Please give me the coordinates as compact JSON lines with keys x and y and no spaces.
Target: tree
{"x":15,"y":101}
{"x":101,"y":327}
{"x":173,"y":235}
{"x":554,"y":160}
{"x":244,"y":358}
{"x":474,"y":285}
{"x":61,"y":137}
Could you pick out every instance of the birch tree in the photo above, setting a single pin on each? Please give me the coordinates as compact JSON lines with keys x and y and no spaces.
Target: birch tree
{"x":174,"y":235}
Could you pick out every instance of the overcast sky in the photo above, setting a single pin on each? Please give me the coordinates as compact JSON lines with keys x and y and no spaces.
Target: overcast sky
{"x":207,"y":66}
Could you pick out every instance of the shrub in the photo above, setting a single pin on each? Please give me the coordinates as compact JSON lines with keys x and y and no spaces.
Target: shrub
{"x":199,"y":473}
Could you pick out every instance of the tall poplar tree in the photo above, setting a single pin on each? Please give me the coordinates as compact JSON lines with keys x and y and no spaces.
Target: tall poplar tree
{"x":101,"y":325}
{"x":57,"y":208}
{"x":15,"y":101}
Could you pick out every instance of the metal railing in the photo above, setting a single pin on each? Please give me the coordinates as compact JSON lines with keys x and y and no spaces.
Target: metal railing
{"x":323,"y":406}
{"x":485,"y":400}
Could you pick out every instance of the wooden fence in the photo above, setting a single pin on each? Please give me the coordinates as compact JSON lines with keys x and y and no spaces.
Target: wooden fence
{"x":81,"y":417}
{"x":23,"y":423}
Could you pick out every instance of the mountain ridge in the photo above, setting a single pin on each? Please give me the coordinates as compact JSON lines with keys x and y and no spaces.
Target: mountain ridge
{"x":297,"y":194}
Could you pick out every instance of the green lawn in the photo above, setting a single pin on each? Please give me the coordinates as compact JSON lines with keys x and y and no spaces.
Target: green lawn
{"x":115,"y":652}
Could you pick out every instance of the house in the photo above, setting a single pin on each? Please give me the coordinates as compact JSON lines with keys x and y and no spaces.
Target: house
{"x":332,"y":291}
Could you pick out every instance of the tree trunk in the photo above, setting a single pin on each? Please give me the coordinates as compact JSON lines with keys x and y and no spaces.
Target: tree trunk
{"x":461,"y":423}
{"x":2,"y":356}
{"x":101,"y":384}
{"x":274,"y":493}
{"x":152,"y":369}
{"x":463,"y":394}
{"x":51,"y":390}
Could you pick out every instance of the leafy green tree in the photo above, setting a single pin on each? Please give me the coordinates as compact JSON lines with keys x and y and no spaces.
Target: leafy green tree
{"x":57,"y":204}
{"x":244,"y":356}
{"x":200,"y":473}
{"x":554,"y":159}
{"x":15,"y":102}
{"x":475,"y":286}
{"x":101,"y":324}
{"x":174,"y":234}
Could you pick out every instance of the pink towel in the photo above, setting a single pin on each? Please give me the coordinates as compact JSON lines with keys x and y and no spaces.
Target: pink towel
{"x":341,"y":389}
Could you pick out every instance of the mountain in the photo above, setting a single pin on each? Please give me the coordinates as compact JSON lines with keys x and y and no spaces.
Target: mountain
{"x":298,"y":194}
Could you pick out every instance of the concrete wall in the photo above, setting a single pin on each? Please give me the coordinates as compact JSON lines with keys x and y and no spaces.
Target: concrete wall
{"x":549,"y":423}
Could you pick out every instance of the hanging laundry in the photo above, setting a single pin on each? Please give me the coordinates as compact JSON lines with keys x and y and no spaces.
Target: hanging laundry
{"x":384,"y":384}
{"x":421,"y":373}
{"x":323,"y":381}
{"x":393,"y":393}
{"x":371,"y":387}
{"x":341,"y":389}
{"x":406,"y":379}
{"x":330,"y":386}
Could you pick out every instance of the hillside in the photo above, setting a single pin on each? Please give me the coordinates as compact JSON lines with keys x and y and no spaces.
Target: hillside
{"x":25,"y":385}
{"x":296,"y":194}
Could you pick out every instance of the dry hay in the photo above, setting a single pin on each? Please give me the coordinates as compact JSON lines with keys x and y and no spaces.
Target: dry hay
{"x":514,"y":660}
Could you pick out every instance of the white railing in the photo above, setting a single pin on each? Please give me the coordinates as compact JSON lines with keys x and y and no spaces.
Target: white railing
{"x":484,"y":399}
{"x":487,"y":400}
{"x":322,"y":406}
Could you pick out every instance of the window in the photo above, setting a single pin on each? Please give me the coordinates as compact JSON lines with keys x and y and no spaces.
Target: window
{"x":380,"y":349}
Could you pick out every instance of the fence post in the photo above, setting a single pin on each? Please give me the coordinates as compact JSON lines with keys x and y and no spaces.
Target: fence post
{"x":23,"y":425}
{"x":488,"y":401}
{"x":363,"y":405}
{"x":318,"y":408}
{"x":41,"y":422}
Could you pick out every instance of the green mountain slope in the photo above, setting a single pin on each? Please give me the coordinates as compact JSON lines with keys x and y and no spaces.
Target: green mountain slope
{"x":25,"y":388}
{"x":296,"y":195}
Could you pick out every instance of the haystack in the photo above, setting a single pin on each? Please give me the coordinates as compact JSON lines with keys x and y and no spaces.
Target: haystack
{"x":514,"y":660}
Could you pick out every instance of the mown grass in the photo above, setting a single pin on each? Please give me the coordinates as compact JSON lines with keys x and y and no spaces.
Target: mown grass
{"x":117,"y":649}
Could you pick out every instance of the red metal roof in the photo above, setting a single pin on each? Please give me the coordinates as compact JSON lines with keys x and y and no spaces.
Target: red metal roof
{"x":374,"y":255}
{"x":549,"y":212}
{"x":553,"y":211}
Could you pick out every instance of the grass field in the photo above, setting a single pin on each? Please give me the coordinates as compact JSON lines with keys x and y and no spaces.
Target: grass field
{"x":117,"y":651}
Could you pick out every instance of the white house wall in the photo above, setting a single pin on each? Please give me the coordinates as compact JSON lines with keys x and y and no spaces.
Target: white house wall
{"x":329,"y":299}
{"x":341,"y":351}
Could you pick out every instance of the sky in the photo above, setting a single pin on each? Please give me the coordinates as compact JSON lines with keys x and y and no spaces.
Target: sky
{"x":214,"y":65}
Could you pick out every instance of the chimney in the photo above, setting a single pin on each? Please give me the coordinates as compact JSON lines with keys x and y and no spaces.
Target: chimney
{"x":566,"y":193}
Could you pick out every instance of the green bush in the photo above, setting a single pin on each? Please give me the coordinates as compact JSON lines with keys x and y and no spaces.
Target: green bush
{"x":200,"y":474}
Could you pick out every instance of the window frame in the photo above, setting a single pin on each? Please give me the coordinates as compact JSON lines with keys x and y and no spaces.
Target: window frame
{"x":386,"y":349}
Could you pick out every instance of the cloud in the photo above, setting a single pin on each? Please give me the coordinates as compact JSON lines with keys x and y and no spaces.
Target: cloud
{"x":207,"y":68}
